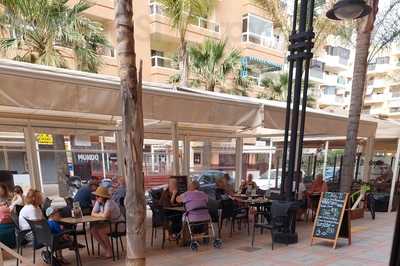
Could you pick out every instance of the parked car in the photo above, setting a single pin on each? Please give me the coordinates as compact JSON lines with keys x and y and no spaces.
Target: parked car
{"x":264,"y":183}
{"x":207,"y":180}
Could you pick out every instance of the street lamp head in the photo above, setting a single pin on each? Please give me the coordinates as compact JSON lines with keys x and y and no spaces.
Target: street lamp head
{"x":348,"y":9}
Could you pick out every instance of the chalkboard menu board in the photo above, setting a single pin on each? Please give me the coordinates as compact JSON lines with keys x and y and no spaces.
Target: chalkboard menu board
{"x":329,"y":218}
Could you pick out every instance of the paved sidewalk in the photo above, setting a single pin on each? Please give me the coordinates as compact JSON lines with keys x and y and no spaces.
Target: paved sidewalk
{"x":371,"y":245}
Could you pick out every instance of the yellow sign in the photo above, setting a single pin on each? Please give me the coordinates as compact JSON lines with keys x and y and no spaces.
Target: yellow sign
{"x":45,"y":139}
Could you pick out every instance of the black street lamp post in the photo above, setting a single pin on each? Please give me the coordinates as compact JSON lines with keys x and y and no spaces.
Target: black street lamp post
{"x":301,"y":44}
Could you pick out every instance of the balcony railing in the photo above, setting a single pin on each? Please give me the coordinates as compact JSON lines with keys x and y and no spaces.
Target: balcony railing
{"x":262,"y":40}
{"x":160,"y":61}
{"x":158,"y":9}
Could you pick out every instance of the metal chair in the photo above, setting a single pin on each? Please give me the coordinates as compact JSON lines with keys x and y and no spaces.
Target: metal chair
{"x":279,"y":220}
{"x":19,"y":234}
{"x":42,"y":235}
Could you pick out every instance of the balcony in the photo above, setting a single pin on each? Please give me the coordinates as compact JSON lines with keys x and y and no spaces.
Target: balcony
{"x":377,"y":83}
{"x":382,"y":68}
{"x":331,"y":100}
{"x":271,"y":43}
{"x":198,"y":30}
{"x":394,"y":102}
{"x":100,"y":9}
{"x":375,"y":98}
{"x":335,"y":63}
{"x":162,"y":68}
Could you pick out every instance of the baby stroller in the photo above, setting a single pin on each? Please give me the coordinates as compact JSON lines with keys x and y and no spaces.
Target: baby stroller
{"x":200,"y":229}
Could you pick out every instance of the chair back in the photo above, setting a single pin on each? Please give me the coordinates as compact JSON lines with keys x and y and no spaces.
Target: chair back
{"x":228,"y":208}
{"x":18,"y":208}
{"x":158,"y":216}
{"x":15,"y":220}
{"x":41,"y":232}
{"x":46,"y":204}
{"x":155,"y":194}
{"x":122,"y":207}
{"x":280,"y":213}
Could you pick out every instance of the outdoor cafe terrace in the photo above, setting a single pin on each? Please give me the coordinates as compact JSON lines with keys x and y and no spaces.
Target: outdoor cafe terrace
{"x":42,"y":99}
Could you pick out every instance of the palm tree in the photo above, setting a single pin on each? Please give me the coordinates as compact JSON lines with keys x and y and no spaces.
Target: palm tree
{"x":132,"y":133}
{"x":211,"y":62}
{"x":39,"y":30}
{"x":181,"y":14}
{"x":363,"y":42}
{"x":275,"y":88}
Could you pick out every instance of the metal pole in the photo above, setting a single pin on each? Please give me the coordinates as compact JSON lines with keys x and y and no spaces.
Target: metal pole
{"x":325,"y":158}
{"x":270,"y":159}
{"x":314,"y":167}
{"x":277,"y":172}
{"x":288,"y":103}
{"x":175,"y":148}
{"x":309,"y":165}
{"x":357,"y":165}
{"x":395,"y":254}
{"x":301,"y":43}
{"x":307,"y":56}
{"x":334,"y":168}
{"x":238,"y":162}
{"x":395,"y":170}
{"x":340,"y":168}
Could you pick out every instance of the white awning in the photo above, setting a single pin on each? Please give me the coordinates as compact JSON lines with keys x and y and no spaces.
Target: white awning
{"x":33,"y":91}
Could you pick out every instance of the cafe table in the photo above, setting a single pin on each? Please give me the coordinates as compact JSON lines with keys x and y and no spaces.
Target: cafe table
{"x":74,"y":221}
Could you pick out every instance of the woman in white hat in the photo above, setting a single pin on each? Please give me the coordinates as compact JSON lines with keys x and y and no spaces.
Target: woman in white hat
{"x":108,"y":209}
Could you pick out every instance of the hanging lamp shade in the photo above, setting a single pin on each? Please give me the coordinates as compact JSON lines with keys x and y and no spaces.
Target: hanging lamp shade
{"x":348,"y":9}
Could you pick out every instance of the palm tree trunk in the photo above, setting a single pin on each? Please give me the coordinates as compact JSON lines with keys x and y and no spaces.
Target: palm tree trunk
{"x":184,"y":64}
{"x":363,"y":43}
{"x":132,"y":133}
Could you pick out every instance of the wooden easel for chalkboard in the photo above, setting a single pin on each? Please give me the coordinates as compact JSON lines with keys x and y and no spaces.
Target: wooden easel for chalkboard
{"x":343,"y":229}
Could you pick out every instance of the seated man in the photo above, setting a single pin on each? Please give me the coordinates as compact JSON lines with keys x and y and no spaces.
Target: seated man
{"x":249,"y":185}
{"x":85,"y":197}
{"x":195,"y":203}
{"x":318,"y":185}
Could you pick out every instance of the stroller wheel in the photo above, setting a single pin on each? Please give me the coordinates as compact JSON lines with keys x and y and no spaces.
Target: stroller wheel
{"x":217,"y":243}
{"x":194,"y":245}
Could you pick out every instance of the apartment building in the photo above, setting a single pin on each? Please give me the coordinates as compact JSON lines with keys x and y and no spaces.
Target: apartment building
{"x":240,"y":22}
{"x":330,"y":74}
{"x":382,"y":97}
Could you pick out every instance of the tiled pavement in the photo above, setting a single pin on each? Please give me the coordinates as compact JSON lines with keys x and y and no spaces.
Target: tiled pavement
{"x":371,"y":244}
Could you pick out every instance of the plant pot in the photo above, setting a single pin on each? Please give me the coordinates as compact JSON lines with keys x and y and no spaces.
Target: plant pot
{"x":357,"y":213}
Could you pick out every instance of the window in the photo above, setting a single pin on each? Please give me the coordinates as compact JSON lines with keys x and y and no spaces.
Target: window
{"x":258,"y":30}
{"x":382,"y":60}
{"x":197,"y":158}
{"x":395,"y":109}
{"x":338,"y":51}
{"x":330,"y":90}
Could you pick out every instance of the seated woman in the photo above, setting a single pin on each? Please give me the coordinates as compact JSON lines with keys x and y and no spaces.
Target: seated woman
{"x":195,"y":200}
{"x":168,"y":199}
{"x":18,"y":198}
{"x":31,"y":211}
{"x":107,"y":209}
{"x":7,"y":235}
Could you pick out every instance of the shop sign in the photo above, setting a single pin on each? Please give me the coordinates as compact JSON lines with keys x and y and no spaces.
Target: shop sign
{"x":45,"y":139}
{"x":85,"y":157}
